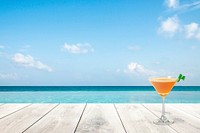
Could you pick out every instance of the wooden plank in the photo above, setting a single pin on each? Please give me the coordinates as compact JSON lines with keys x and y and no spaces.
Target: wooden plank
{"x":100,"y":118}
{"x":7,"y":109}
{"x":138,"y":119}
{"x":183,"y":122}
{"x":62,"y":119}
{"x":192,"y":109}
{"x":22,"y":119}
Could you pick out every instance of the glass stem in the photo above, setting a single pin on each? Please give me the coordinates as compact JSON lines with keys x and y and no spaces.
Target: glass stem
{"x":163,"y":105}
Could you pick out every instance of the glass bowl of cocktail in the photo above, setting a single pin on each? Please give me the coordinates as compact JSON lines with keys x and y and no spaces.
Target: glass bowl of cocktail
{"x":163,"y":86}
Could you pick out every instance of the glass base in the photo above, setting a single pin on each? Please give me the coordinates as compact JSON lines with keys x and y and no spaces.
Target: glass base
{"x":163,"y":121}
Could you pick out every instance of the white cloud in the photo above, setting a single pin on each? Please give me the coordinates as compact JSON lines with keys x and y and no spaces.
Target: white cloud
{"x":188,"y":5}
{"x":6,"y":76}
{"x":169,"y":26}
{"x":192,"y":6}
{"x":184,"y":6}
{"x":29,"y":61}
{"x":172,"y":3}
{"x":135,"y":68}
{"x":192,"y":31}
{"x":172,"y":26}
{"x":79,"y":48}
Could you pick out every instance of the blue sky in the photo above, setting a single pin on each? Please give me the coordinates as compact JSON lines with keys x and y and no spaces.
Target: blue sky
{"x":98,"y":42}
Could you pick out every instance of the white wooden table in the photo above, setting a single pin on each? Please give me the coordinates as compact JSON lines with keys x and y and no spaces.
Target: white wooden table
{"x":97,"y":118}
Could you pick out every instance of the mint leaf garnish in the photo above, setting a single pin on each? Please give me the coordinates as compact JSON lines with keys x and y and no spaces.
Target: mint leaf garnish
{"x":180,"y":77}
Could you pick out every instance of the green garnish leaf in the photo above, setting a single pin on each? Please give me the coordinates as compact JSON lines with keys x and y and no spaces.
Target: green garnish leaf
{"x":180,"y":77}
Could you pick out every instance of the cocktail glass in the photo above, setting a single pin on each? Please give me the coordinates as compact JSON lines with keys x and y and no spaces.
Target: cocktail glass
{"x":163,"y":86}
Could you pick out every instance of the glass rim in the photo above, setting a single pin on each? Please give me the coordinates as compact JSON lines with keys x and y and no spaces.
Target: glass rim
{"x":159,"y":77}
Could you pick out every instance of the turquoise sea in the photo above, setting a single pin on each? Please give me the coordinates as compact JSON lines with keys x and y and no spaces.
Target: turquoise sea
{"x":96,"y":94}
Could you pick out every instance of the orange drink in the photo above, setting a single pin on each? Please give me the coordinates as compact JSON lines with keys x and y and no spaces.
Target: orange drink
{"x":163,"y":85}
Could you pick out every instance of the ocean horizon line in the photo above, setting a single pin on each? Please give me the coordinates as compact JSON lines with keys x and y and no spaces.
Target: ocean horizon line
{"x":93,"y":88}
{"x":90,"y":85}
